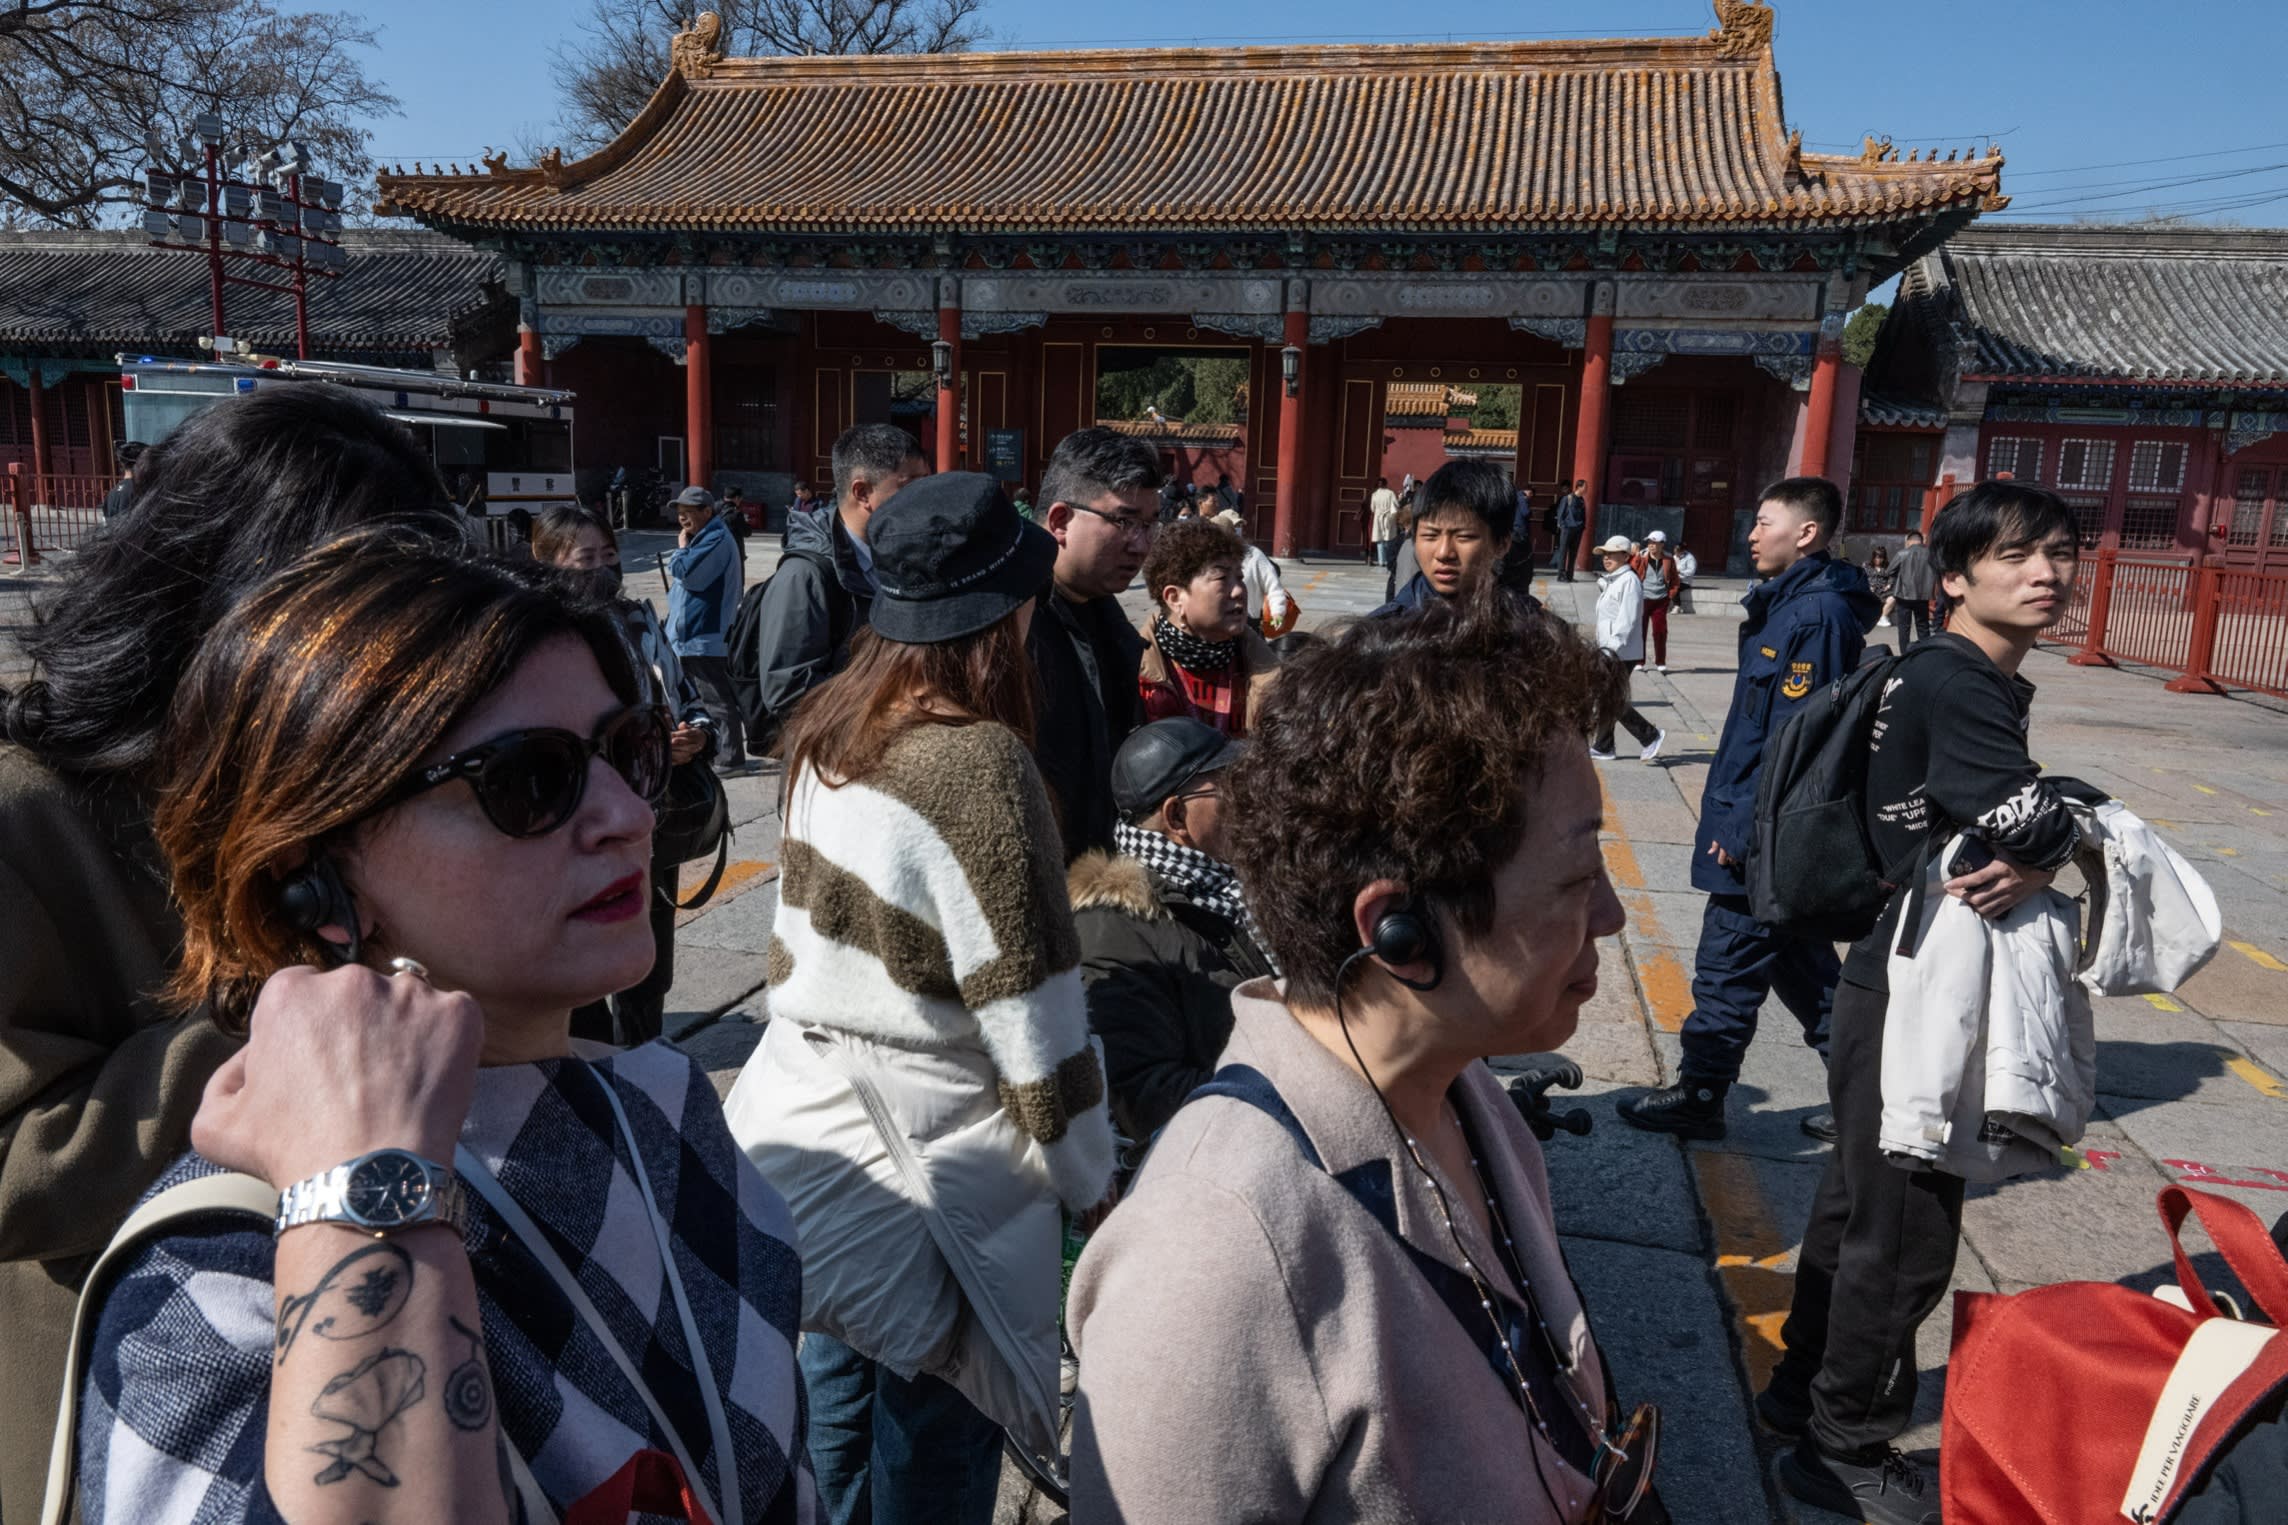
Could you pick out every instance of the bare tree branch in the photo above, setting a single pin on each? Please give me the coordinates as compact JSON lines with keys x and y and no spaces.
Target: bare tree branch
{"x":94,"y":91}
{"x":620,"y":56}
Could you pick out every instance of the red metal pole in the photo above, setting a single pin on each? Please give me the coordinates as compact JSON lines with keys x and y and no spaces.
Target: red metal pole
{"x":1295,"y":332}
{"x":528,"y":357}
{"x":1589,"y":431}
{"x":698,"y":399}
{"x":949,"y":391}
{"x":2092,"y":653}
{"x":214,"y":233}
{"x":1819,"y":411}
{"x":2201,"y":650}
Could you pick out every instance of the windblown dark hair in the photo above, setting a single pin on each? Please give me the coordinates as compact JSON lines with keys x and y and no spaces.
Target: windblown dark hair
{"x":224,"y":502}
{"x":1994,"y":517}
{"x":1476,"y":488}
{"x":1397,"y":750}
{"x":306,"y":709}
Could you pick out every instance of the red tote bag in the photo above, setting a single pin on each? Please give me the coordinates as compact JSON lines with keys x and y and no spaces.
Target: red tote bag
{"x":2088,"y":1402}
{"x":652,"y":1483}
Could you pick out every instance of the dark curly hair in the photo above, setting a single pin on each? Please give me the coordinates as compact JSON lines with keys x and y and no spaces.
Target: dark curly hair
{"x":1185,"y":549}
{"x":1396,"y":750}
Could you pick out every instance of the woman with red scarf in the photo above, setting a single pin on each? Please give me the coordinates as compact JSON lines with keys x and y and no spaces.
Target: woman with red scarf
{"x":1202,"y":660}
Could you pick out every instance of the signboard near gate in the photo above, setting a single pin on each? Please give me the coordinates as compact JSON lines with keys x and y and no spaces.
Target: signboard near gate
{"x":1005,"y":454}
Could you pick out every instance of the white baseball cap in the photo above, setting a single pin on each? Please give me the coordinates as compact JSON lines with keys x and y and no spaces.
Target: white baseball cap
{"x":1617,"y":546}
{"x":1658,"y":535}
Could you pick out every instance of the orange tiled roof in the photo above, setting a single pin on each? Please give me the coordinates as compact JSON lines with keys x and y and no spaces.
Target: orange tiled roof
{"x":1172,"y":432}
{"x":1425,"y":399}
{"x":1491,"y":441}
{"x":1458,"y":137}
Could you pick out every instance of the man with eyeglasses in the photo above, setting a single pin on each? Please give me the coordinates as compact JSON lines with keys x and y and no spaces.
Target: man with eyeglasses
{"x":1100,"y":500}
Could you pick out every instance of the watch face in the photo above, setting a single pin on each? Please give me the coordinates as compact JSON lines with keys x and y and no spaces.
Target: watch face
{"x":387,"y":1189}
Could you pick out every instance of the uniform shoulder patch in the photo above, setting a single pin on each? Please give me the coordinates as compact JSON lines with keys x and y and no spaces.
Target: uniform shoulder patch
{"x":1798,"y":681}
{"x":1770,"y":653}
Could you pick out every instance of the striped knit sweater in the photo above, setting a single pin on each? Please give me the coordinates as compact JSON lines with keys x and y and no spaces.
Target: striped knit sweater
{"x":925,"y":908}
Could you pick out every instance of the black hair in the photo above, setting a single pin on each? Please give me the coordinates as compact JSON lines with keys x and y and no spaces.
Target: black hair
{"x":229,"y":498}
{"x":130,"y":453}
{"x":1994,"y":517}
{"x":1477,"y":488}
{"x":879,"y":450}
{"x":1815,"y":498}
{"x":561,"y":527}
{"x":1091,"y":462}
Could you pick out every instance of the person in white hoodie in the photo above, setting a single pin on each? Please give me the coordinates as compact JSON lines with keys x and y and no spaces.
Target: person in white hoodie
{"x":1620,"y":636}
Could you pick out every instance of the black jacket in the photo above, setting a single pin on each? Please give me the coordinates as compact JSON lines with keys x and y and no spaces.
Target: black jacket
{"x":806,"y":613}
{"x":1159,"y":969}
{"x":1087,"y":657}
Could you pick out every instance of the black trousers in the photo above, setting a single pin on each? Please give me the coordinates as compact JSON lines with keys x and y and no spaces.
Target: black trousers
{"x":1636,"y":725}
{"x":639,"y":1013}
{"x":1913,"y":617}
{"x":713,"y":675}
{"x":1567,"y":540}
{"x":1877,"y":1257}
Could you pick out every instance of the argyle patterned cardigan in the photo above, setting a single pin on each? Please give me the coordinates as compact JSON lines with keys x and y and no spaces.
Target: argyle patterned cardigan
{"x":176,"y":1397}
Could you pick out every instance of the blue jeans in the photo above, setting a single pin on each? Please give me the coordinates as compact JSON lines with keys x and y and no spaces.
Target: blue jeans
{"x":1741,"y":961}
{"x":886,"y":1451}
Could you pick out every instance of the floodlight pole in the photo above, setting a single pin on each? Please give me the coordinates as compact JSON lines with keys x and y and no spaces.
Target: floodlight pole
{"x":301,"y":269}
{"x":214,"y":233}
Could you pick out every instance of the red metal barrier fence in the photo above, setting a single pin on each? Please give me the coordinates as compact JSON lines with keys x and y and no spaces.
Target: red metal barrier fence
{"x":2215,"y":627}
{"x":50,"y":512}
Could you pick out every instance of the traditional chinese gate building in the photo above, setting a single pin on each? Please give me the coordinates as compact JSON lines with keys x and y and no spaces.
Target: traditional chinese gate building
{"x":1626,"y":230}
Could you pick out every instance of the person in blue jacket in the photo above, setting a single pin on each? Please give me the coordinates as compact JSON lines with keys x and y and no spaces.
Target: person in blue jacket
{"x":705,"y":575}
{"x":1806,"y":626}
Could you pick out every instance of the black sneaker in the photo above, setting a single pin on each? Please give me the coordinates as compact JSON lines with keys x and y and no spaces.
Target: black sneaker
{"x":1783,"y":1413}
{"x":1821,"y":1126}
{"x":1691,"y":1108}
{"x":1889,"y":1491}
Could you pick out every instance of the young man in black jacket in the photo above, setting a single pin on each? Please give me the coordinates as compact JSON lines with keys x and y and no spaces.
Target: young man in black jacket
{"x":1100,"y":499}
{"x":1164,"y":934}
{"x":1948,"y":755}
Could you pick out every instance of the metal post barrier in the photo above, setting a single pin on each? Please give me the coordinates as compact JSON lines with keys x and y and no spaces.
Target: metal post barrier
{"x":2092,"y":653}
{"x":2200,"y":652}
{"x":27,"y":553}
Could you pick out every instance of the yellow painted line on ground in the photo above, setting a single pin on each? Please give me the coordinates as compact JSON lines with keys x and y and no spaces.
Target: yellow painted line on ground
{"x":2205,"y":789}
{"x":1667,"y":987}
{"x":2260,"y":958}
{"x":1749,"y":1255}
{"x":737,"y":875}
{"x":2258,"y":810}
{"x":2228,"y":852}
{"x":2256,"y":1075}
{"x":2161,"y":1003}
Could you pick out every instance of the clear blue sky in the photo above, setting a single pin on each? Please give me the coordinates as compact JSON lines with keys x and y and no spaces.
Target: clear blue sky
{"x":2072,"y":90}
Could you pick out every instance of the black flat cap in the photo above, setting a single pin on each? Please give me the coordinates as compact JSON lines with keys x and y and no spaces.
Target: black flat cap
{"x":951,"y":556}
{"x":1162,"y":759}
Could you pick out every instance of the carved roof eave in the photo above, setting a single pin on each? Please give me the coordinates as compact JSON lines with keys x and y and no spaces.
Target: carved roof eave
{"x":551,"y":171}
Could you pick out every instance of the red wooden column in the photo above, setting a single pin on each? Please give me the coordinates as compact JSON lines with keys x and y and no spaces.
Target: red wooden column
{"x":698,"y":399}
{"x":39,"y":427}
{"x":1819,"y":412}
{"x":1589,"y":431}
{"x":949,"y":385}
{"x":528,"y":361}
{"x":1296,"y":333}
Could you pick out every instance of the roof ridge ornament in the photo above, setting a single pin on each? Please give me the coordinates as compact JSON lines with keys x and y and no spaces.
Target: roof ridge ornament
{"x":694,"y":53}
{"x":1743,"y":29}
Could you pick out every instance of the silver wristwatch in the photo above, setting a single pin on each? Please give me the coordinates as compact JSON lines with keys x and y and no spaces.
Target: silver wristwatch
{"x":378,"y":1193}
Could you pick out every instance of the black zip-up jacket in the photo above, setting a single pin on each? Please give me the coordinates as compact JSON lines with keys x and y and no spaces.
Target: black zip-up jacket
{"x":807,"y":611}
{"x":1949,"y":752}
{"x":1087,"y":657}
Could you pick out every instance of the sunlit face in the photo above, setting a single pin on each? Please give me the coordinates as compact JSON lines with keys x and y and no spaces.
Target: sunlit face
{"x":1780,"y":538}
{"x":530,"y":926}
{"x":1455,"y":550}
{"x":1519,"y":987}
{"x":2020,"y":588}
{"x":593,"y":549}
{"x":1213,"y":605}
{"x":1101,"y":544}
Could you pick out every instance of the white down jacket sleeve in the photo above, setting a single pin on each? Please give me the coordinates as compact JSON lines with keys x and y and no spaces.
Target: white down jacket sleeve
{"x":1620,"y":615}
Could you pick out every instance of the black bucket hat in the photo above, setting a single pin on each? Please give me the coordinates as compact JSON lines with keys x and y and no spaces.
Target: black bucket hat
{"x":951,"y":556}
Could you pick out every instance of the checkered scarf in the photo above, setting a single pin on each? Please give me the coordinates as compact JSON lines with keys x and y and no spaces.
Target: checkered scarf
{"x":178,"y":1386}
{"x":1204,"y":880}
{"x":1188,"y":651}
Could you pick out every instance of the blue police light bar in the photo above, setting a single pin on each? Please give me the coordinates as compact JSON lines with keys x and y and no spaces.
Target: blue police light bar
{"x":243,"y":383}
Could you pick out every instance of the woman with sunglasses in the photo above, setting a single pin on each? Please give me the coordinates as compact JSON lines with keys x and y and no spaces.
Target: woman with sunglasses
{"x":927,"y":1094}
{"x":503,"y":1278}
{"x":580,"y":544}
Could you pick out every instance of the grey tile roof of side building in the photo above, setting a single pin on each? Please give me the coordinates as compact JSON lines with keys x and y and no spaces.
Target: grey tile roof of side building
{"x":2194,"y":306}
{"x":85,"y":292}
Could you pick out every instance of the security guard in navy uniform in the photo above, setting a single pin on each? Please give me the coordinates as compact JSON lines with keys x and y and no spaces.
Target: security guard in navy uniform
{"x":1807,"y":625}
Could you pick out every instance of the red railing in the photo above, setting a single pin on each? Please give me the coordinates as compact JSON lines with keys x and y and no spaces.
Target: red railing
{"x":49,"y":512}
{"x":2215,"y":627}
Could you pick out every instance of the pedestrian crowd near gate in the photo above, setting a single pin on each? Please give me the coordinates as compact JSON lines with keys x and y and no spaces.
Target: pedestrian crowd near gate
{"x":1122,"y":1113}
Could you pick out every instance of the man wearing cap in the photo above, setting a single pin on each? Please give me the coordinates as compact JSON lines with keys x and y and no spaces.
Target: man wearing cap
{"x":1806,"y":626}
{"x":1656,"y":567}
{"x":1164,"y":933}
{"x":1100,"y":503}
{"x":704,"y":579}
{"x":1620,"y":636}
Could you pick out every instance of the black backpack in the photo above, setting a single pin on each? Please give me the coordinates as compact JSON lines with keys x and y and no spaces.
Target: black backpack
{"x":743,"y":648}
{"x":1812,"y":867}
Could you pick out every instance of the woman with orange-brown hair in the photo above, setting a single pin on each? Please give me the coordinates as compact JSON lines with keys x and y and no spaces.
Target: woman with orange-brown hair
{"x":500,"y":1278}
{"x":927,"y":1093}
